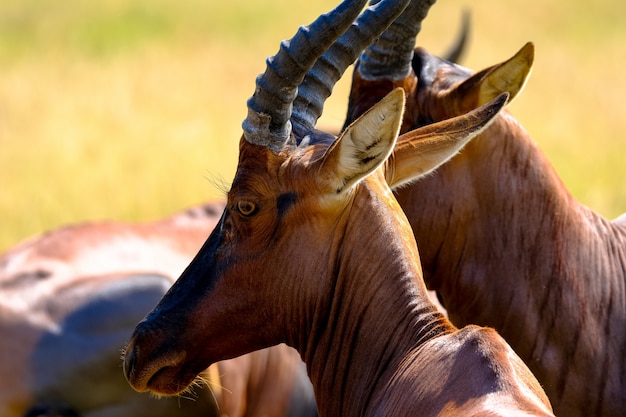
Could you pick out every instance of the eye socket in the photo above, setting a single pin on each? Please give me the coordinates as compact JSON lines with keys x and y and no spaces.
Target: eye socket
{"x":246,"y":207}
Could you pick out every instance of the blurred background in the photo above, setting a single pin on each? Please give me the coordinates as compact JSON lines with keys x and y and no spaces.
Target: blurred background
{"x":131,"y":109}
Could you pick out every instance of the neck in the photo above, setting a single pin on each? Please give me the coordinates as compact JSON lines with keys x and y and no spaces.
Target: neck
{"x":507,"y":246}
{"x":499,"y":193}
{"x":379,"y":310}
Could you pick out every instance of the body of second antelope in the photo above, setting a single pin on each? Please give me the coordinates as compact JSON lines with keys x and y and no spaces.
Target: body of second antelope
{"x":313,"y":250}
{"x":501,"y":239}
{"x":70,"y":297}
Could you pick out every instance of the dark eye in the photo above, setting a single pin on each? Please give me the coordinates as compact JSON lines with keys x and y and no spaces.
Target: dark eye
{"x":246,"y":208}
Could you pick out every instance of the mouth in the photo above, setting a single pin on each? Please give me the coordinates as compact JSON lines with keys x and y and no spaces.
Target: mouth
{"x":164,"y":375}
{"x":170,"y":380}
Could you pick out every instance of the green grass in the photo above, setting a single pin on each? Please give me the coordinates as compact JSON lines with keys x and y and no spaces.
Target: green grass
{"x":104,"y":28}
{"x":130,"y":109}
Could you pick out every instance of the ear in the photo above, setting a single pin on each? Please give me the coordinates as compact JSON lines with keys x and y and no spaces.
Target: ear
{"x":364,"y":145}
{"x":509,"y":76}
{"x":422,"y":150}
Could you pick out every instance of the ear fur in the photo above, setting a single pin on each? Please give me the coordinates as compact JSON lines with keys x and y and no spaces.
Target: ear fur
{"x":365,"y":144}
{"x":422,"y":150}
{"x":509,"y":76}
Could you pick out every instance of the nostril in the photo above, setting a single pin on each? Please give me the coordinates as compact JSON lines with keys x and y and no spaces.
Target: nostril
{"x":130,"y":358}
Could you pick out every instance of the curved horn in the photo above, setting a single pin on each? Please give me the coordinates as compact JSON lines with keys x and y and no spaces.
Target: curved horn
{"x":269,"y":109}
{"x":457,"y":50}
{"x":328,"y":69}
{"x":390,"y":56}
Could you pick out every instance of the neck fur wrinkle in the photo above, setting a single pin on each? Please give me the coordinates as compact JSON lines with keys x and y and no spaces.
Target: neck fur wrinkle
{"x":379,"y":310}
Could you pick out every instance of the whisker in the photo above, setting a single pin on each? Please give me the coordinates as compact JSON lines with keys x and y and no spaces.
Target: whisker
{"x":206,"y":382}
{"x":218,"y":182}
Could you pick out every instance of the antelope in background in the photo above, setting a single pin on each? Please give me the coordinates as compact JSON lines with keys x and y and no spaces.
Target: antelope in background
{"x":69,"y":299}
{"x":501,"y":239}
{"x":313,"y":250}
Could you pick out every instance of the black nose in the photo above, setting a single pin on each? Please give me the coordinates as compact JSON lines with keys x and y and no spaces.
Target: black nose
{"x":130,"y":357}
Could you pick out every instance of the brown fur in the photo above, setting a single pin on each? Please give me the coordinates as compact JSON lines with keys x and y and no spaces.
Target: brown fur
{"x":52,"y":283}
{"x":337,"y":276}
{"x":506,"y":245}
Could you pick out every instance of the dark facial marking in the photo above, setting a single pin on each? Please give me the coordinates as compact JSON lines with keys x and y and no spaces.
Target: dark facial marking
{"x":284,"y":202}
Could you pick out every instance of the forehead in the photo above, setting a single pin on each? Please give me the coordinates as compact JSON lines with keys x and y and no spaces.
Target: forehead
{"x":254,"y":170}
{"x":263,"y":173}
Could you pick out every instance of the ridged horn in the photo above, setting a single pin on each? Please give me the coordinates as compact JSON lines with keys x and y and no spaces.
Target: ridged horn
{"x":269,"y":109}
{"x":390,"y":57}
{"x":318,"y":83}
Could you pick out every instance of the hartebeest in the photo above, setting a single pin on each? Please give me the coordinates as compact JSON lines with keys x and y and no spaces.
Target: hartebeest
{"x":501,"y":239}
{"x":69,"y":299}
{"x":313,"y":250}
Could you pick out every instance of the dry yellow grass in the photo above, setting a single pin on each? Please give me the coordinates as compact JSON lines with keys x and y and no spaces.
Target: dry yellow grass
{"x":132,"y":113}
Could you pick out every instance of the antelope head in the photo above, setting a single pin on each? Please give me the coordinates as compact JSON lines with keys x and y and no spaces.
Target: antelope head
{"x":437,"y":89}
{"x":446,"y":89}
{"x":268,"y":271}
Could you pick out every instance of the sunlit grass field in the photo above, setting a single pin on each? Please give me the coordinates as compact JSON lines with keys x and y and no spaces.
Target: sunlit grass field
{"x":132,"y":109}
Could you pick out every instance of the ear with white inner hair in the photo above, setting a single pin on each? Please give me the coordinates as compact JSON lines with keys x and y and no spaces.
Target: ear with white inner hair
{"x":364,"y":145}
{"x":509,"y":76}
